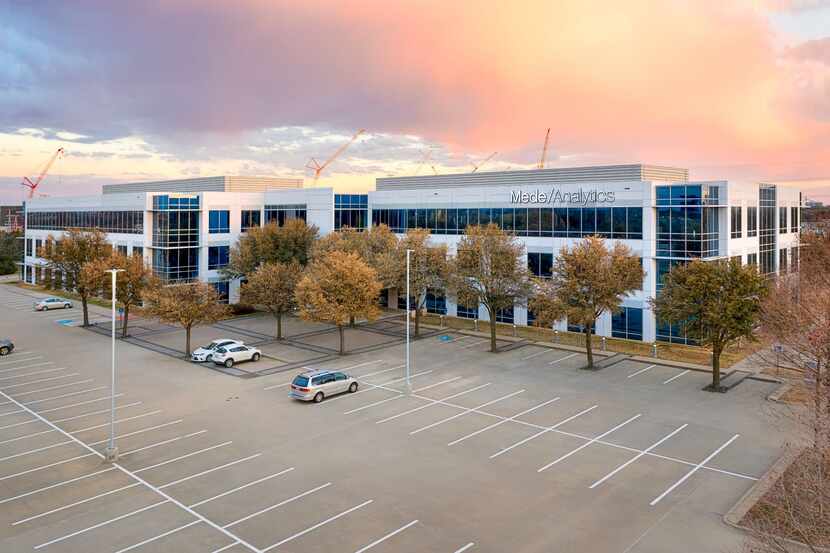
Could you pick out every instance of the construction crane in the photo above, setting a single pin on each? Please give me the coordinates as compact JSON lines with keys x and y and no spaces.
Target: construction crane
{"x":32,"y":185}
{"x":541,"y":164}
{"x":318,"y":167}
{"x":477,"y":167}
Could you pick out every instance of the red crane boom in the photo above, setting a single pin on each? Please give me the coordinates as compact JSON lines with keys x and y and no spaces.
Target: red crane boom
{"x":32,"y":185}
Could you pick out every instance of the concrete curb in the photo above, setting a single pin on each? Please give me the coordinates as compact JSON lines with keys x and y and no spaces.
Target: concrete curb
{"x":779,"y":392}
{"x":738,"y":511}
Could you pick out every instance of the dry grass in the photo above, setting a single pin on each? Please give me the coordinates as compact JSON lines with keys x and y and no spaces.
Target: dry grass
{"x":672,"y":352}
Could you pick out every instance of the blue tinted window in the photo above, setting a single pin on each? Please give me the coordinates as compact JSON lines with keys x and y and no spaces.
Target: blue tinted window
{"x":219,"y":221}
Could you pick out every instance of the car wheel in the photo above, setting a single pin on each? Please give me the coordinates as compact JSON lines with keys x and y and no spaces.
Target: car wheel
{"x":4,"y":350}
{"x":66,"y":306}
{"x":255,"y":357}
{"x":353,"y":387}
{"x":318,"y":397}
{"x":229,"y":362}
{"x":208,"y":358}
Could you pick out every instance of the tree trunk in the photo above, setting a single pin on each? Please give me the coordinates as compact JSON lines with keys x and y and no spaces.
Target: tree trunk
{"x":342,"y":339}
{"x":85,"y":308}
{"x":492,"y":314}
{"x":716,"y":351}
{"x":187,"y":342}
{"x":279,"y":326}
{"x":126,"y":320}
{"x":588,"y":346}
{"x":351,"y":321}
{"x":417,"y":321}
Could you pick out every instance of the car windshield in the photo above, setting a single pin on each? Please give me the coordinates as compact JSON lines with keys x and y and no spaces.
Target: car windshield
{"x":221,"y":350}
{"x":300,"y":380}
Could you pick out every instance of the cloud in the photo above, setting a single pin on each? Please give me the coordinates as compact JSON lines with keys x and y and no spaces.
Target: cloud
{"x":269,"y":83}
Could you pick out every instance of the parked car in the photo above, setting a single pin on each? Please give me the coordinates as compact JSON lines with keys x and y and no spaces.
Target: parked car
{"x":6,"y":346}
{"x":235,"y":353}
{"x":318,"y":385}
{"x":52,"y":303}
{"x":205,"y":353}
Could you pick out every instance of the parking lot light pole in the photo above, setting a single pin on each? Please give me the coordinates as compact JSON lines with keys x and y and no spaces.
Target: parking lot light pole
{"x":111,"y":453}
{"x":408,"y":383}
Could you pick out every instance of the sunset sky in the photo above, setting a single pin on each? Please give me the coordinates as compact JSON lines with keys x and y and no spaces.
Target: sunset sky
{"x":733,"y":89}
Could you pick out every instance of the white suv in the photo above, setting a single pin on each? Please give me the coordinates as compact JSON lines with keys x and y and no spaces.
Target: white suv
{"x":205,"y":353}
{"x":235,"y":353}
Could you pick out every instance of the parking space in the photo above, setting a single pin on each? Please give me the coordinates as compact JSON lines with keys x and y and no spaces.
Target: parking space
{"x":518,"y":451}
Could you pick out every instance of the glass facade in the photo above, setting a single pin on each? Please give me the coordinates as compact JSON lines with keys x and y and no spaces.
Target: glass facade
{"x":573,"y":327}
{"x":540,"y":264}
{"x":467,"y":311}
{"x":627,"y":323}
{"x":623,"y":223}
{"x":505,"y":315}
{"x":219,"y":221}
{"x":687,"y":231}
{"x":793,"y":219}
{"x":176,"y":237}
{"x":351,"y":210}
{"x":223,"y":289}
{"x":752,"y":221}
{"x":125,"y":222}
{"x":782,"y":220}
{"x":218,"y":257}
{"x":280,"y":213}
{"x":250,"y":218}
{"x":766,"y":230}
{"x":782,"y":261}
{"x":735,"y":222}
{"x":436,"y":302}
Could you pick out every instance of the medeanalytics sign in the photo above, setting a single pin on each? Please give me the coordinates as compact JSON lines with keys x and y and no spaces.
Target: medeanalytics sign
{"x":556,"y":196}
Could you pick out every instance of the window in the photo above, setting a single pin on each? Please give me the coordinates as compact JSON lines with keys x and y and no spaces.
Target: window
{"x":250,"y":219}
{"x":402,"y":302}
{"x":436,"y":302}
{"x":223,"y":289}
{"x":735,"y":222}
{"x":793,"y":219}
{"x":218,"y":257}
{"x":122,"y":249}
{"x":467,"y":311}
{"x":127,"y":222}
{"x":505,"y":315}
{"x":627,"y":323}
{"x":138,"y":250}
{"x":782,"y":220}
{"x":28,"y":246}
{"x":351,"y":210}
{"x":219,"y":221}
{"x":540,"y":264}
{"x":339,"y":376}
{"x":782,"y":261}
{"x":752,"y":259}
{"x":752,"y":221}
{"x":573,"y":327}
{"x":280,"y":213}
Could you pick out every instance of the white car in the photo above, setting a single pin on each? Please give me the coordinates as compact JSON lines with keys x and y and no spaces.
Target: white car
{"x":235,"y":353}
{"x":52,"y":303}
{"x":205,"y":353}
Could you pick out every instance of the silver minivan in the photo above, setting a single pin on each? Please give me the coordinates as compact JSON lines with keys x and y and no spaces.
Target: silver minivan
{"x":318,"y":385}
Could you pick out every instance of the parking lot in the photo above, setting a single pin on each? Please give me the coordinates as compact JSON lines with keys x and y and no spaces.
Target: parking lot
{"x":519,"y":451}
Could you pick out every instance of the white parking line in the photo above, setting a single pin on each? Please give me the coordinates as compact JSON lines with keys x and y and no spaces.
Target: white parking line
{"x":100,"y":524}
{"x":641,"y":371}
{"x":34,"y":401}
{"x":51,"y":378}
{"x":474,"y":344}
{"x":543,"y":431}
{"x":399,"y":396}
{"x":416,"y":390}
{"x":499,"y":423}
{"x":21,"y":360}
{"x":386,"y":537}
{"x":373,"y":386}
{"x":30,"y":392}
{"x":586,"y":444}
{"x":433,"y":402}
{"x":555,"y":361}
{"x":32,"y":366}
{"x":173,"y":460}
{"x":225,"y":548}
{"x":465,"y":548}
{"x":277,"y":505}
{"x":160,"y":536}
{"x":69,"y":506}
{"x":50,"y":465}
{"x":57,"y":485}
{"x":87,"y":402}
{"x":316,"y":526}
{"x":208,"y":471}
{"x":644,"y":452}
{"x":163,"y":442}
{"x":287,"y":382}
{"x":538,"y":353}
{"x":32,"y":374}
{"x":465,"y":412}
{"x":81,"y":430}
{"x":676,"y":376}
{"x":242,"y":487}
{"x":694,"y":470}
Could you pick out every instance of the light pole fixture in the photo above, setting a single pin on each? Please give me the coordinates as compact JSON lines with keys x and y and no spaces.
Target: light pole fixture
{"x":111,"y":453}
{"x":408,"y":383}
